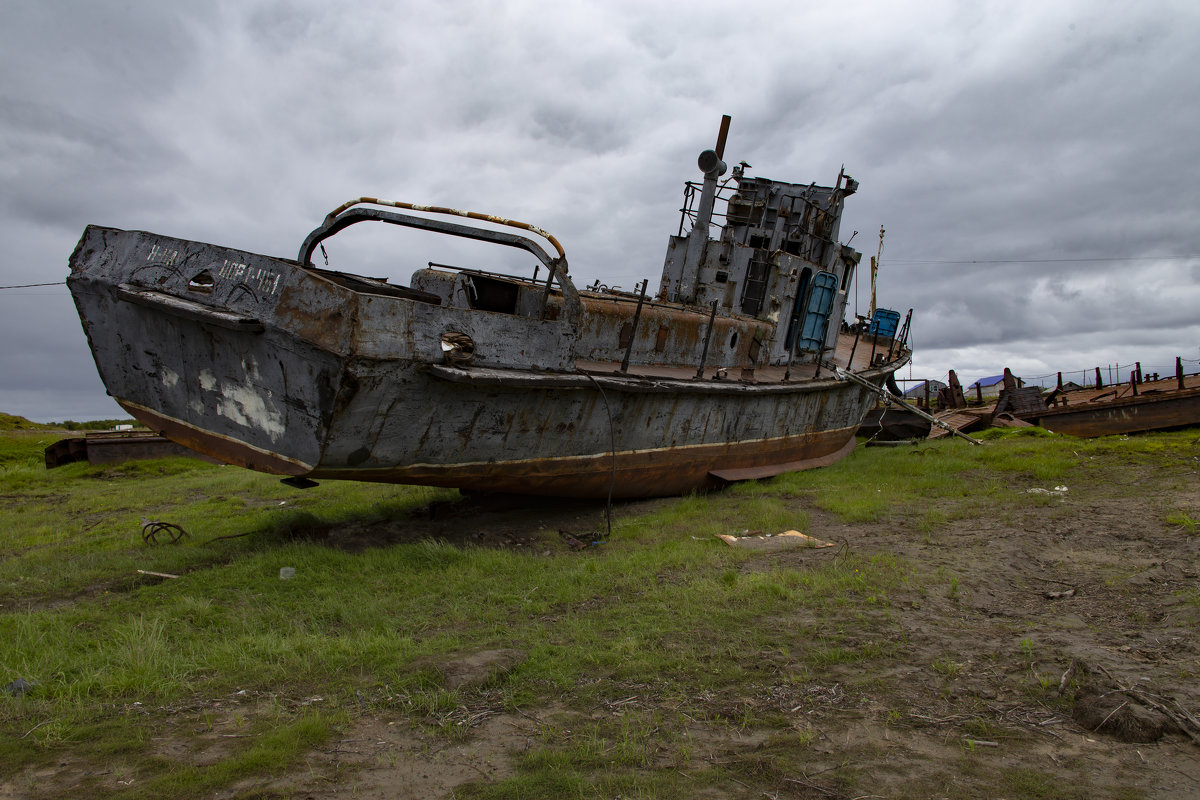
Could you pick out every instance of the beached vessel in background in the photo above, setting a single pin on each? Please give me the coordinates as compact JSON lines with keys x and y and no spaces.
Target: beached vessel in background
{"x":485,"y":381}
{"x":1141,"y":404}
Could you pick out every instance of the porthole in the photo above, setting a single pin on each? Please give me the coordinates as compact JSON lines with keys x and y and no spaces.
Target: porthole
{"x":457,"y":348}
{"x":201,"y":282}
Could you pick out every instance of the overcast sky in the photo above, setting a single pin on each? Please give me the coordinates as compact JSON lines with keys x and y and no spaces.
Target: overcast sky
{"x":1034,"y":163}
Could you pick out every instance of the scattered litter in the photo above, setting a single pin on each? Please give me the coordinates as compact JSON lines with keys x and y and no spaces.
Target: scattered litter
{"x":156,"y":574}
{"x":1056,"y":491}
{"x":1060,"y":595}
{"x":153,"y":530}
{"x":287,"y":573}
{"x":770,"y":542}
{"x":577,"y":544}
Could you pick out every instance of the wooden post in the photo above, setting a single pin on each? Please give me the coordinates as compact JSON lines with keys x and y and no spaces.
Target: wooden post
{"x":1099,"y":383}
{"x":956,"y":395}
{"x":1138,"y":372}
{"x":857,"y":334}
{"x":712,"y":322}
{"x":1060,"y":381}
{"x":1133,"y":382}
{"x":1179,"y":371}
{"x":633,"y":333}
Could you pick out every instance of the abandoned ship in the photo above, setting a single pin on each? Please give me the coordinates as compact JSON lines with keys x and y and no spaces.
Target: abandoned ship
{"x":735,"y":368}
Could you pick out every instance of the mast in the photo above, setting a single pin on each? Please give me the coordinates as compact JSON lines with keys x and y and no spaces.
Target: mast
{"x":875,"y":259}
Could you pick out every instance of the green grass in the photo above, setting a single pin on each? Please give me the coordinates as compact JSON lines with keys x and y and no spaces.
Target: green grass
{"x":663,"y":600}
{"x":1183,"y":521}
{"x":11,"y":422}
{"x":946,"y":480}
{"x":662,"y":606}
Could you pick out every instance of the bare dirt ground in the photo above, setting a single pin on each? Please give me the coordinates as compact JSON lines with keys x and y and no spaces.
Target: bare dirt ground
{"x":1092,"y":594}
{"x":1047,"y":652}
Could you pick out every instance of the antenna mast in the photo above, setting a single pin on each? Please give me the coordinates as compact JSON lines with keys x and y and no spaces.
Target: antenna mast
{"x":875,"y":270}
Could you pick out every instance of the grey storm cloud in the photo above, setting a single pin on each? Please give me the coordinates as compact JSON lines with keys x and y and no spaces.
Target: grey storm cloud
{"x":1031,"y":162}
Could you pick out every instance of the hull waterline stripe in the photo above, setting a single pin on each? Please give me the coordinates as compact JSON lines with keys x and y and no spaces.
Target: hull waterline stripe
{"x":494,"y":464}
{"x":607,"y":454}
{"x":209,"y":434}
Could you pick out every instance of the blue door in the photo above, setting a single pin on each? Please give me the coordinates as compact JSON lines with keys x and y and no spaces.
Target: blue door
{"x":821,"y":294}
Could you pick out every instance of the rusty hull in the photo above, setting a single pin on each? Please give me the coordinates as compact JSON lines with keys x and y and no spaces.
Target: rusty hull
{"x":115,"y":447}
{"x":262,"y":363}
{"x":736,"y":368}
{"x":1149,"y":410}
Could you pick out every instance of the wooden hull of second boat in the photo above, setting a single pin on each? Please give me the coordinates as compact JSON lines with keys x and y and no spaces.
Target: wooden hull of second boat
{"x":1147,"y":412}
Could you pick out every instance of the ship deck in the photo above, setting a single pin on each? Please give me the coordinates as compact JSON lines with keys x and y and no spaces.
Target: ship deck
{"x":863,"y":353}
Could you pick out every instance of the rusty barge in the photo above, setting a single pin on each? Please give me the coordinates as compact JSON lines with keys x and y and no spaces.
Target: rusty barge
{"x":734,"y":369}
{"x":1140,"y":405}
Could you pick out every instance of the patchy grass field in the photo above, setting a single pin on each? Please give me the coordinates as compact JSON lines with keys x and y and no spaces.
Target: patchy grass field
{"x":975,"y":632}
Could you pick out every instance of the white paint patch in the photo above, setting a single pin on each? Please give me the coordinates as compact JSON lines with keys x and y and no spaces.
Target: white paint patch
{"x":248,"y":404}
{"x":208,"y":381}
{"x":169,"y":377}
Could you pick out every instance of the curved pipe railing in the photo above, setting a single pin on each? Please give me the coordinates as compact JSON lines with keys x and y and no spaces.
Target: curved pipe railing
{"x":345,"y":215}
{"x":454,"y":212}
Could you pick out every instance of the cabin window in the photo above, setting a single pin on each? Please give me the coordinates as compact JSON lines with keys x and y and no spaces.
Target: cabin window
{"x":625,"y":336}
{"x":493,"y":295}
{"x":733,"y":341}
{"x":847,"y":274}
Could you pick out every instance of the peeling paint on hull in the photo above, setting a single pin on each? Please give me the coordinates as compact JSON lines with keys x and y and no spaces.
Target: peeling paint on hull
{"x":285,"y":405}
{"x":491,"y":382}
